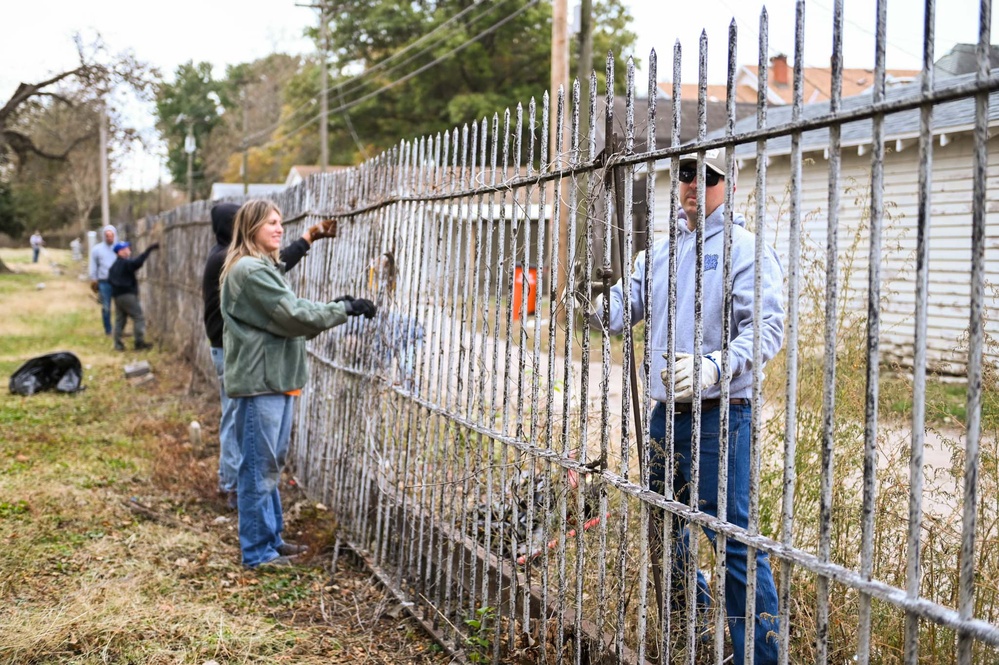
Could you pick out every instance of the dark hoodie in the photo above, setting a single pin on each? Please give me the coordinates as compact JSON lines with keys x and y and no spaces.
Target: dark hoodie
{"x":223,"y":215}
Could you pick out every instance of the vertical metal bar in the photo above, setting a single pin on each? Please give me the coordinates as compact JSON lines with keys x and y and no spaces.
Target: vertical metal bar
{"x":584,"y":370}
{"x":646,"y":552}
{"x":552,"y":347}
{"x":473,"y":452}
{"x":759,"y":255}
{"x":433,"y":461}
{"x":829,"y":359}
{"x":976,"y":340}
{"x":668,"y":525}
{"x":913,"y":572}
{"x":511,"y":612}
{"x":532,"y":472}
{"x":455,"y":507}
{"x":489,"y":447}
{"x":725,"y":379}
{"x":623,"y":185}
{"x":791,"y":326}
{"x":570,"y":318}
{"x":873,"y":340}
{"x":691,"y":565}
{"x":605,"y":356}
{"x":542,"y":224}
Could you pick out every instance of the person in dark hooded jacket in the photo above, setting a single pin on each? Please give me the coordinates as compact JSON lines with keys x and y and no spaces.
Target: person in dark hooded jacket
{"x":223,"y":215}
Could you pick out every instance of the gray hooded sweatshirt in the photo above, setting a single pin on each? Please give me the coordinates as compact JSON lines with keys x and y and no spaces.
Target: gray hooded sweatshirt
{"x":101,"y":255}
{"x":742,"y":332}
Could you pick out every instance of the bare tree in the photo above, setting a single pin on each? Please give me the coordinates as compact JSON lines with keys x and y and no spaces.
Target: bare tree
{"x":54,"y":119}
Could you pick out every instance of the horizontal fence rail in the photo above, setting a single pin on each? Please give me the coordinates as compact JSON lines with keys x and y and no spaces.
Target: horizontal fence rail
{"x":489,"y":444}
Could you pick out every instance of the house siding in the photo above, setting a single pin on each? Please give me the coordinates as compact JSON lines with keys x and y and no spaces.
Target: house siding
{"x":950,"y":243}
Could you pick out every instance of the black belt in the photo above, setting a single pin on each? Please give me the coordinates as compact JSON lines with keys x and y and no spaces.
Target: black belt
{"x":708,"y":404}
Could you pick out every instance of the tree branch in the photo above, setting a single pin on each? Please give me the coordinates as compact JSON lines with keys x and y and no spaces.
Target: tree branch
{"x":26,"y":91}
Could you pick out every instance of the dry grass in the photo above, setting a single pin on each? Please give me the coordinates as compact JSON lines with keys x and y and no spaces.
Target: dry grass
{"x":116,"y":548}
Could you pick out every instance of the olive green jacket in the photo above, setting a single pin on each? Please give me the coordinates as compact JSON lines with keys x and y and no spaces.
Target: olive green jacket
{"x":266,"y":326}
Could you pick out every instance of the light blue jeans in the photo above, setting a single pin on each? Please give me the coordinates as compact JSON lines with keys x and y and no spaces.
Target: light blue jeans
{"x":104,"y":289}
{"x":229,"y":454}
{"x":263,"y":427}
{"x":740,"y":420}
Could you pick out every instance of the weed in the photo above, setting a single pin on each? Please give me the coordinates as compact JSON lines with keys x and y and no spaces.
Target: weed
{"x":480,"y":632}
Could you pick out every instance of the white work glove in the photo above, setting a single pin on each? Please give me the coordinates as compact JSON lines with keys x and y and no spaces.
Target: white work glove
{"x":589,"y":307}
{"x":585,"y":307}
{"x":683,"y":387}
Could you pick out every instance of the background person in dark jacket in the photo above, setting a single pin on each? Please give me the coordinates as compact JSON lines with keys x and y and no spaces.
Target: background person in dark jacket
{"x":125,"y":291}
{"x":223,"y":215}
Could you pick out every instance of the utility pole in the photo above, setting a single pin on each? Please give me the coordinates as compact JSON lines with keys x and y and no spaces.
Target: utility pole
{"x":560,"y":78}
{"x":324,"y":103}
{"x":189,"y":147}
{"x":585,"y":64}
{"x":105,"y":185}
{"x":246,"y":147}
{"x":583,"y":69}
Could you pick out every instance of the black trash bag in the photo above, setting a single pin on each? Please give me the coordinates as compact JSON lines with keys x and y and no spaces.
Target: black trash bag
{"x":59,"y":371}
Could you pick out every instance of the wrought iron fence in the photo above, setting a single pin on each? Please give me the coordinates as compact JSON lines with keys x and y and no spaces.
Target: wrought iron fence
{"x":486,"y":448}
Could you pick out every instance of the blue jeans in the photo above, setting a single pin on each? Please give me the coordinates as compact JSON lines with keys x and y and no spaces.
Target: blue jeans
{"x":104,"y":289}
{"x":737,"y":513}
{"x":263,"y":427}
{"x":229,"y":454}
{"x":34,"y":254}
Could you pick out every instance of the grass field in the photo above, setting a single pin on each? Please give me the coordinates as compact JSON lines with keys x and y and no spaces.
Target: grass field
{"x":116,"y":546}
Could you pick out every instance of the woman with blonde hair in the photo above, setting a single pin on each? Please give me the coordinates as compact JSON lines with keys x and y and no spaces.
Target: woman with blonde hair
{"x":266,"y":326}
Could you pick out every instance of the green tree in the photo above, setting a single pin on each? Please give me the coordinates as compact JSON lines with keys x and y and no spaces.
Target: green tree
{"x":611,"y":34}
{"x":259,"y":87}
{"x":404,"y":69}
{"x":194,"y":104}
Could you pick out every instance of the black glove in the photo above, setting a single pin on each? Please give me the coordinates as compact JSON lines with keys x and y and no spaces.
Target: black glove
{"x":153,"y":247}
{"x":359,"y":307}
{"x":344,"y":299}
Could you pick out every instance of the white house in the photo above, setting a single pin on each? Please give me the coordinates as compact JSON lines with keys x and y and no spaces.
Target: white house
{"x":950,"y":226}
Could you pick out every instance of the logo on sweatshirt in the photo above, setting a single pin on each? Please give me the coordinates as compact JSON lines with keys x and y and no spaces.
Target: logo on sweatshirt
{"x":710,"y":262}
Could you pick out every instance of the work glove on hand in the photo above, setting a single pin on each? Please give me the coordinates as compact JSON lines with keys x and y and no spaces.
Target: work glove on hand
{"x":324,"y":229}
{"x":360,"y":307}
{"x":683,"y":387}
{"x":153,"y":247}
{"x":94,"y":287}
{"x":589,"y":306}
{"x":344,"y":299}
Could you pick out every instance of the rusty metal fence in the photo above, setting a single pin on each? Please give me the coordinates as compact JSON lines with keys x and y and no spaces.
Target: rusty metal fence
{"x":486,"y":449}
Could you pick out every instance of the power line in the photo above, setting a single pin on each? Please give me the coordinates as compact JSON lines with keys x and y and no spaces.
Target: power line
{"x":376,"y":67}
{"x":407,"y":77}
{"x":440,"y":59}
{"x":381,"y":64}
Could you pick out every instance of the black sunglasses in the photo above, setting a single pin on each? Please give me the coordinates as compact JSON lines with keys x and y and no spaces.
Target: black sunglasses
{"x":710,"y":177}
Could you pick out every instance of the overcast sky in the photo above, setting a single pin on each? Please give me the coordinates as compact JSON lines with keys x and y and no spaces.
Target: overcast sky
{"x":38,"y":36}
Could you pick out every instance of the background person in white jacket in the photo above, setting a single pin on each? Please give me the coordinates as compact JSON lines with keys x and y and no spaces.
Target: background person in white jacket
{"x":740,"y":354}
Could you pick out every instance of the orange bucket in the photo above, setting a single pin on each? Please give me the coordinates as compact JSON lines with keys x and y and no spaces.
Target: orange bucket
{"x":518,"y":289}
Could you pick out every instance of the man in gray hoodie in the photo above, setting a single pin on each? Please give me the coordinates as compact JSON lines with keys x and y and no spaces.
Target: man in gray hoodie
{"x":102,"y":256}
{"x":678,"y":405}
